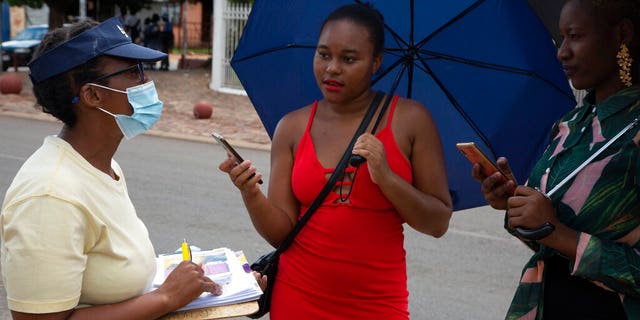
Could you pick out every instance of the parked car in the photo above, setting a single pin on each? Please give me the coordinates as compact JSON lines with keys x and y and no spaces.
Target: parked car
{"x":22,"y":45}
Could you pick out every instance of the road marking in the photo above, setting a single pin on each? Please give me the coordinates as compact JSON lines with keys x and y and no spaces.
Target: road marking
{"x":8,"y":156}
{"x":478,"y":235}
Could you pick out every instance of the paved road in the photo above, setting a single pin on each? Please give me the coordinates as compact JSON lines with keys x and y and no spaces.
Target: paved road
{"x":470,"y":273}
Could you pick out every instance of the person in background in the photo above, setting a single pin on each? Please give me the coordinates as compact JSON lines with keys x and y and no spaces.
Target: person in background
{"x":146,"y":24}
{"x":152,"y":36}
{"x":122,"y":15}
{"x":588,"y":267}
{"x":72,"y":244}
{"x":132,"y":26}
{"x":348,"y":262}
{"x":154,"y":40}
{"x":166,"y":37}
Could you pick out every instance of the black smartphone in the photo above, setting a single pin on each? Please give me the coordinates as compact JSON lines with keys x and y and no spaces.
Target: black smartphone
{"x":222,"y":141}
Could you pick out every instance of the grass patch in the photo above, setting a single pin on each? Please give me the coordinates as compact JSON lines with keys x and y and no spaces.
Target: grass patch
{"x":192,"y":50}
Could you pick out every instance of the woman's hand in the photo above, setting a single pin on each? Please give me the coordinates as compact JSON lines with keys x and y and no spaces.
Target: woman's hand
{"x":185,"y":283}
{"x":244,"y":175}
{"x":530,"y":209}
{"x":372,"y":149}
{"x":496,"y":188}
{"x":261,"y":279}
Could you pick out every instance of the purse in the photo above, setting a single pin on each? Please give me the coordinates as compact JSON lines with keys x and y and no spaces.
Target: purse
{"x":267,"y":264}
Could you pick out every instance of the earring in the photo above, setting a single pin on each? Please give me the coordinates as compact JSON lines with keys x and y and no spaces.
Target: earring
{"x":624,"y":62}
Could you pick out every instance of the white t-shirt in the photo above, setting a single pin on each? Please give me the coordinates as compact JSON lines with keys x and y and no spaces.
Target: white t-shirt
{"x":70,"y":235}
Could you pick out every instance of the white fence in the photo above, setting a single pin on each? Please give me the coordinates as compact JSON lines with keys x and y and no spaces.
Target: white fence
{"x":229,"y":20}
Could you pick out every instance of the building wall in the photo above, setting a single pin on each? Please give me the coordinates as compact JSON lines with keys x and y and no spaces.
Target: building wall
{"x":37,"y":16}
{"x":16,"y":20}
{"x":194,"y":27}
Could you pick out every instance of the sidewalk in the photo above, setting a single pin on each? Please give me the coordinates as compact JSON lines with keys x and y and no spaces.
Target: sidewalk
{"x":233,"y":115}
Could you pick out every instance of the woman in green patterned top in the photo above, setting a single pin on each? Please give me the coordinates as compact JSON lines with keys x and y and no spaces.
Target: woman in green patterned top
{"x":589,"y":266}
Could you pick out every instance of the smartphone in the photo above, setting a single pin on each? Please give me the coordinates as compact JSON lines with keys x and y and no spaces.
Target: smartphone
{"x":475,"y":155}
{"x":222,"y":141}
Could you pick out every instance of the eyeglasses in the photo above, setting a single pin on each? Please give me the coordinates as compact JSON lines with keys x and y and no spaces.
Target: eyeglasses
{"x":137,"y":69}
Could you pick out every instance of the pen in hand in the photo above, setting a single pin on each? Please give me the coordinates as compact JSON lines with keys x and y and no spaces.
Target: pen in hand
{"x":186,"y":251}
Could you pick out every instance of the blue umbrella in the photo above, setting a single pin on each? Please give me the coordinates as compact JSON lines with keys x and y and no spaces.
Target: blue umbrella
{"x":485,"y":69}
{"x":549,"y":13}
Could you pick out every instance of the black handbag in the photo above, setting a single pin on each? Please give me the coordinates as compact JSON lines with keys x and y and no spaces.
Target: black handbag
{"x":267,"y":264}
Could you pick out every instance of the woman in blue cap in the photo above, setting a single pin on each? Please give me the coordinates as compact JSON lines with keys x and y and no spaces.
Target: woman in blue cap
{"x":72,"y":244}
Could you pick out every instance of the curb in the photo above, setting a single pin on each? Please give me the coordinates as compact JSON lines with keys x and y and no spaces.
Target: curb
{"x":188,"y":137}
{"x":156,"y":133}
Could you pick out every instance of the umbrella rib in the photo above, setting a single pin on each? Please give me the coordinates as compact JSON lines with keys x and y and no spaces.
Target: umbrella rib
{"x":396,"y":52}
{"x":456,"y":105}
{"x":396,"y":81}
{"x":493,"y":66}
{"x":428,"y":70}
{"x":450,"y":22}
{"x":412,"y":22}
{"x":263,"y":52}
{"x":386,"y":71}
{"x":475,"y":63}
{"x":409,"y":66}
{"x":399,"y":41}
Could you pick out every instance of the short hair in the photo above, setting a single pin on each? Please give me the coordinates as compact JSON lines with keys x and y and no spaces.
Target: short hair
{"x":363,"y":14}
{"x":55,"y":94}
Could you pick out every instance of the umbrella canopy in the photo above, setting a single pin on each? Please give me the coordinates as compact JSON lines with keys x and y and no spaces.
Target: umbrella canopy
{"x":485,"y":69}
{"x":549,"y":13}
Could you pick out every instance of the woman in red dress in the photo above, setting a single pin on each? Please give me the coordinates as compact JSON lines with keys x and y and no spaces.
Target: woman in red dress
{"x":348,"y":262}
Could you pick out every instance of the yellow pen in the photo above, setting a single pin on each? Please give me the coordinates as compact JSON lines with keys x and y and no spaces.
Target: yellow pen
{"x":186,"y":251}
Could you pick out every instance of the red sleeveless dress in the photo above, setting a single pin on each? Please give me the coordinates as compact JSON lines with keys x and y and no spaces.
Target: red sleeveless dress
{"x":348,"y":262}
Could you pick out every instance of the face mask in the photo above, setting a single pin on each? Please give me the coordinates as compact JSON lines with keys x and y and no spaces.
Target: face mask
{"x":146,"y":109}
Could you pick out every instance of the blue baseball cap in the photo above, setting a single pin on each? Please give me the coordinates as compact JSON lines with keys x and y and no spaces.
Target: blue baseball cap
{"x":107,"y":38}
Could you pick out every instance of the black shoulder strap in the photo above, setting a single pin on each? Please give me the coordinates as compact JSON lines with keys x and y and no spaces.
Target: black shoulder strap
{"x":334,"y":176}
{"x":381,"y":114}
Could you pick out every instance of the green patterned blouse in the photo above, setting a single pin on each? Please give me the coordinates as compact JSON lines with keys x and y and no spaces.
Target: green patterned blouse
{"x":602,"y":202}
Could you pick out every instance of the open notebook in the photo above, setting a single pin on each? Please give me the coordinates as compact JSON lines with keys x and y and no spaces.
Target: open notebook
{"x":224,"y":266}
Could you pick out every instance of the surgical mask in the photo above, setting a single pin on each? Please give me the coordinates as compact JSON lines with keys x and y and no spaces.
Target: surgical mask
{"x":146,"y":109}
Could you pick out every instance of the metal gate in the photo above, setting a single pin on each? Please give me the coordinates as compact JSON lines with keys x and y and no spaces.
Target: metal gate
{"x":228,"y":22}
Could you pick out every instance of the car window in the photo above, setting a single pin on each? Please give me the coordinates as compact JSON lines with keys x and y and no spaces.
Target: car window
{"x":40,"y":33}
{"x":31,"y":34}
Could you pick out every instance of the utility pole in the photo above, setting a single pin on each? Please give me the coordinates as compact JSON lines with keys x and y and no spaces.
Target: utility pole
{"x":184,"y":34}
{"x":1,"y":36}
{"x":83,"y":10}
